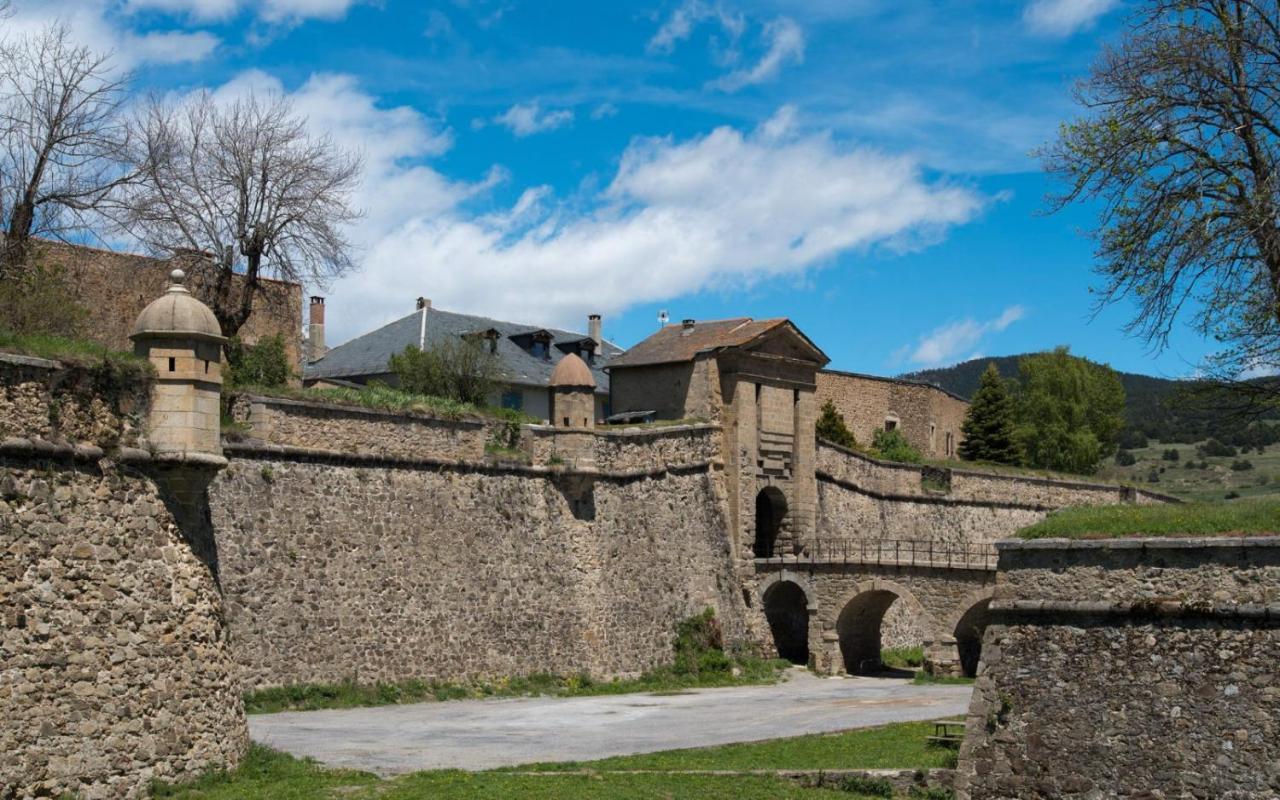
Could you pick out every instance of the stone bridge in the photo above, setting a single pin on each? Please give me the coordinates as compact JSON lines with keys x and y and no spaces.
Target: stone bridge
{"x":830,"y":607}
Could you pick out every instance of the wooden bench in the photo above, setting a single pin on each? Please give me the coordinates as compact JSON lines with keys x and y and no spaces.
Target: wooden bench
{"x":947,"y":733}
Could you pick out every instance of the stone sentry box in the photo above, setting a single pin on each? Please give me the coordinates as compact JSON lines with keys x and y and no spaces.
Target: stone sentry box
{"x":1134,"y":667}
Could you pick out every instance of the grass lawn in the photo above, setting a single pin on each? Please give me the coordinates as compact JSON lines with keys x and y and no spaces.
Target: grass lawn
{"x":311,"y":697}
{"x":900,"y":746}
{"x":77,"y":352}
{"x":269,"y":775}
{"x":1251,"y":516}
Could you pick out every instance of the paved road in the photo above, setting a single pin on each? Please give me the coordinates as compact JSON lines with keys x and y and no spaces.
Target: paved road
{"x":483,"y":734}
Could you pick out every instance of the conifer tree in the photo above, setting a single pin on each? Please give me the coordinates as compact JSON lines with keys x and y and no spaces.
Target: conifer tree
{"x":989,"y":425}
{"x":832,"y":428}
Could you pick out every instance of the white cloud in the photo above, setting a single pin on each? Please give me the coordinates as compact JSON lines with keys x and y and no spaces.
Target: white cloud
{"x":92,"y":24}
{"x":268,"y":10}
{"x":786,"y":45}
{"x":689,"y":15}
{"x":604,"y":110}
{"x":526,"y":119}
{"x":945,"y":343}
{"x":171,"y":47}
{"x":196,"y":9}
{"x":1064,"y":17}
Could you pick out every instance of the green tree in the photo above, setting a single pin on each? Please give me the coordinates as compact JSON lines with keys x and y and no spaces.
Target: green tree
{"x":893,"y":446}
{"x":455,"y":369}
{"x":1069,"y":411}
{"x":832,"y":428}
{"x":989,"y":424}
{"x":263,"y":364}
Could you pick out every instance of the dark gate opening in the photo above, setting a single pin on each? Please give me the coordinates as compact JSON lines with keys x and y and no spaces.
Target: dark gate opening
{"x":859,"y":630}
{"x":968,"y":635}
{"x":786,"y":608}
{"x":771,"y":509}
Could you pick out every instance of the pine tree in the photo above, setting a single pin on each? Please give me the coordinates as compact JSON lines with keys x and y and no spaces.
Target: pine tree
{"x":831,"y":427}
{"x":989,"y":425}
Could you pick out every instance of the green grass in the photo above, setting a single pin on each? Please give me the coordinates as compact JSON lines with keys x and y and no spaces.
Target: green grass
{"x":269,"y":775}
{"x":77,"y":352}
{"x":923,"y":678}
{"x":899,"y":746}
{"x":385,"y":398}
{"x":902,"y":657}
{"x":311,"y":697}
{"x":1213,"y":482}
{"x":1243,"y":517}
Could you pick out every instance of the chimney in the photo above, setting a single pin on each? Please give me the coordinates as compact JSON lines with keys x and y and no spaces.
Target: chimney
{"x":686,"y":327}
{"x":315,"y":329}
{"x":424,"y":302}
{"x":593,"y":330}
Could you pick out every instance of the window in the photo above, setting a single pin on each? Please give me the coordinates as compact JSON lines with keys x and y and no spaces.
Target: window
{"x":890,"y":424}
{"x":538,"y":350}
{"x":513,"y":399}
{"x":933,"y":435}
{"x":173,"y":364}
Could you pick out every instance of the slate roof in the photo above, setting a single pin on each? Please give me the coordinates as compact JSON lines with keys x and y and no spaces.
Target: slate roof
{"x":369,"y":354}
{"x":673,"y":344}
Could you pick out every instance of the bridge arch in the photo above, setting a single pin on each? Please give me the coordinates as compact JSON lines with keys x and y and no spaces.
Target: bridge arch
{"x":859,"y":624}
{"x":967,"y":625}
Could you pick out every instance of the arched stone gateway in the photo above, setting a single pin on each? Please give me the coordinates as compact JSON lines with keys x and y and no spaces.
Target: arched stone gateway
{"x":787,"y":609}
{"x":771,"y":509}
{"x":859,"y":625}
{"x":968,"y":633}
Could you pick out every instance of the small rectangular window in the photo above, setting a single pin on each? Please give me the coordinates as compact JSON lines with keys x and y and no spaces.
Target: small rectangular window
{"x":566,"y":422}
{"x":173,"y":364}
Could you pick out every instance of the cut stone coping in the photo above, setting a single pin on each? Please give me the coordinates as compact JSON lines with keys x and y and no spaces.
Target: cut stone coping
{"x":1141,"y":543}
{"x":1153,"y":607}
{"x":927,"y":498}
{"x":63,"y":451}
{"x":266,"y":450}
{"x":469,"y":421}
{"x":637,"y":431}
{"x":29,"y":361}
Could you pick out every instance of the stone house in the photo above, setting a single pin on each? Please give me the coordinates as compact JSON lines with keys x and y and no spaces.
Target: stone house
{"x":928,"y":416}
{"x":528,"y":354}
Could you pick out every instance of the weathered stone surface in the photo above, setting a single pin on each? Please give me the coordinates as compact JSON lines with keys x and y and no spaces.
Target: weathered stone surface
{"x":1166,"y":689}
{"x":115,"y":662}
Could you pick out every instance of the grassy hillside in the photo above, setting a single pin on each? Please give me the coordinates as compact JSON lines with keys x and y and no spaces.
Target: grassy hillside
{"x":1198,"y":477}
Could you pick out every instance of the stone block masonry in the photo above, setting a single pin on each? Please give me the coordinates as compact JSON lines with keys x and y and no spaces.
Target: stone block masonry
{"x":1134,"y":668}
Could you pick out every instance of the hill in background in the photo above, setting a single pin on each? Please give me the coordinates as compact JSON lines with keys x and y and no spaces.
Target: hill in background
{"x":1158,"y":408}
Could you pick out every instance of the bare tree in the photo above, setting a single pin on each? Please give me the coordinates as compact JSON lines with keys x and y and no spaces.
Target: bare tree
{"x":61,"y":137}
{"x":245,"y":184}
{"x":1181,"y":150}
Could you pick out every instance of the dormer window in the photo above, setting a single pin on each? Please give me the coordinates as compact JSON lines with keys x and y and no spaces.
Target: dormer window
{"x":535,"y":343}
{"x":538,"y":349}
{"x":487,"y":338}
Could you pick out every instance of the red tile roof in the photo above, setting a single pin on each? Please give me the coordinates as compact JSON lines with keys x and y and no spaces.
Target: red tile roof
{"x":674,"y":343}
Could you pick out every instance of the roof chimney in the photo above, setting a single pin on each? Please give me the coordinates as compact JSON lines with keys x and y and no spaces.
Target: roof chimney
{"x":593,"y":331}
{"x":315,"y":329}
{"x":686,"y":327}
{"x":423,"y":302}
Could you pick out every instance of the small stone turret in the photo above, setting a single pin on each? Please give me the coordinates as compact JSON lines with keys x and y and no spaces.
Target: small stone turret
{"x":573,"y":398}
{"x":181,"y":338}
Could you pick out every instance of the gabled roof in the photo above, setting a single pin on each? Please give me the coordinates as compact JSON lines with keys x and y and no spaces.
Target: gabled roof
{"x":675,"y":343}
{"x":368,"y":355}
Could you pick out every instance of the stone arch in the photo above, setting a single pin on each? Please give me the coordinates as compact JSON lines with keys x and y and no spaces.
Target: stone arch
{"x":968,"y":625}
{"x":858,"y":625}
{"x":786,"y":607}
{"x":771,"y":510}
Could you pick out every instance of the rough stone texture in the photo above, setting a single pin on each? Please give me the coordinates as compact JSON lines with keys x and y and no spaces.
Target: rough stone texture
{"x":115,"y":665}
{"x":929,"y":417}
{"x":627,"y":450}
{"x":688,"y":390}
{"x":345,"y":429}
{"x":1136,"y":668}
{"x":114,"y":288}
{"x":45,"y":400}
{"x":462,"y":573}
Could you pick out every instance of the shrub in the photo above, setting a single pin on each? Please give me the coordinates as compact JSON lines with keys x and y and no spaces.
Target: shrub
{"x":1216,"y":449}
{"x":891,"y":445}
{"x":263,"y":364}
{"x":1241,"y":465}
{"x":1126,"y":459}
{"x":40,"y":300}
{"x":1171,"y":454}
{"x":832,"y":428}
{"x":1132,"y":439}
{"x":699,"y":643}
{"x":458,"y":370}
{"x":866,"y":785}
{"x":1153,"y":476}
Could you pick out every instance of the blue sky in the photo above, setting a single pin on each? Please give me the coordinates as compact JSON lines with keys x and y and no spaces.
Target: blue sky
{"x":861,"y":166}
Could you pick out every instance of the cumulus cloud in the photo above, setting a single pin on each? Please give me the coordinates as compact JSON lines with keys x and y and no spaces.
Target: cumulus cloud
{"x":946,"y":343}
{"x":1064,"y":17}
{"x":785,"y":45}
{"x":92,"y":24}
{"x":526,"y":119}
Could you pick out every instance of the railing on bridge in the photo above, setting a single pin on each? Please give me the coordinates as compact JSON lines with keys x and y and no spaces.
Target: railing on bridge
{"x":889,"y":552}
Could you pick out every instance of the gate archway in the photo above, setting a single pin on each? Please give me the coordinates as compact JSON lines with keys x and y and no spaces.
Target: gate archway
{"x":787,"y":609}
{"x":968,"y":633}
{"x":771,"y":509}
{"x":859,"y":625}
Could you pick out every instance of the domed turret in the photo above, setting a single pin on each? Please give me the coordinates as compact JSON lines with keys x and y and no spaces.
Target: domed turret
{"x":573,"y":399}
{"x":181,"y":338}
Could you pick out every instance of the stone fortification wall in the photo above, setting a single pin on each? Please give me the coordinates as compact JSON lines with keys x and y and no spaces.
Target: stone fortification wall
{"x":928,"y":416}
{"x":863,"y":498}
{"x":638,"y":448}
{"x":311,"y":425}
{"x":1129,"y":667}
{"x":114,"y":659}
{"x":342,"y":570}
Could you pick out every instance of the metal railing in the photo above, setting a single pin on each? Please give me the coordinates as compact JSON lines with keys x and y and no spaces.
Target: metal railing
{"x":890,"y":552}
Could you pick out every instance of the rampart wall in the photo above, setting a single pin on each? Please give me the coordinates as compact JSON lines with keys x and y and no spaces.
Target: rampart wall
{"x":867,"y":499}
{"x":115,"y":666}
{"x":423,"y":560}
{"x":1138,"y":667}
{"x":928,"y":416}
